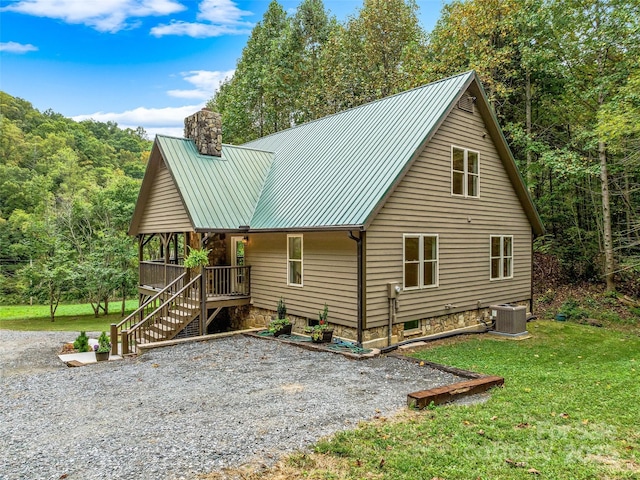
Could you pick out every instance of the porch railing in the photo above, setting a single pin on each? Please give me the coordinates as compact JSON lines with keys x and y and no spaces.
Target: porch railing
{"x":228,"y":281}
{"x":157,"y":274}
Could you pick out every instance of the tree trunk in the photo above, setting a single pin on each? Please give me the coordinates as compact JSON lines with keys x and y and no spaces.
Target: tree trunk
{"x":527,"y":92}
{"x":606,"y":218}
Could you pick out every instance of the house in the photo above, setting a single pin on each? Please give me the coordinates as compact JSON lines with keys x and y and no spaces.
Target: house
{"x":406,"y":212}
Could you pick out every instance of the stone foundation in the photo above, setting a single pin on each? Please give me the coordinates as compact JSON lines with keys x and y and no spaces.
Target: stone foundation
{"x":249,"y":316}
{"x":252,"y":317}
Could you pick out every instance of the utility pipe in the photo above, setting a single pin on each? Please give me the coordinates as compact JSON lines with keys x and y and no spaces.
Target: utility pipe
{"x":390,"y":326}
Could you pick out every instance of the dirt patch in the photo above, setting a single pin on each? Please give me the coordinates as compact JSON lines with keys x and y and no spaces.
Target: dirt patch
{"x":618,"y":465}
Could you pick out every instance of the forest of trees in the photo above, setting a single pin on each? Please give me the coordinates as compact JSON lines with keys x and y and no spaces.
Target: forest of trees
{"x":562,"y":75}
{"x":67,"y":193}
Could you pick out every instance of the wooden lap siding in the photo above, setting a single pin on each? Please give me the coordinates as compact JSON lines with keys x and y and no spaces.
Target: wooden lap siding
{"x":423,"y":203}
{"x":164,"y":210}
{"x":330,"y":275}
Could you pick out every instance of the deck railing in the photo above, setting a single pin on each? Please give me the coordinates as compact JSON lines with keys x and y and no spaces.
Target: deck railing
{"x":156,"y":274}
{"x":228,"y":281}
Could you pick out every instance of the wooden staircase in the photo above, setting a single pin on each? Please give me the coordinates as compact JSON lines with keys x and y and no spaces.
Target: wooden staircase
{"x":160,"y":317}
{"x":166,"y":327}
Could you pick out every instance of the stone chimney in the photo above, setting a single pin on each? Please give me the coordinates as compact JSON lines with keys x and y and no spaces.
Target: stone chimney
{"x":205,"y":128}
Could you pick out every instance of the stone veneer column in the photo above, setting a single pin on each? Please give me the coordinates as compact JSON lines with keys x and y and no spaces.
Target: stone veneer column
{"x":205,"y":128}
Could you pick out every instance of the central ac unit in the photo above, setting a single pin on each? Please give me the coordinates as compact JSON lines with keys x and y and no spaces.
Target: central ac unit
{"x":509,"y":319}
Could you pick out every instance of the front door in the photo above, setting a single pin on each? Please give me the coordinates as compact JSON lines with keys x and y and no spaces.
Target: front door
{"x":237,"y":260}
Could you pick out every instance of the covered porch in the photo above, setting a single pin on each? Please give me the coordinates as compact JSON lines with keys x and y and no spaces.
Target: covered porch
{"x":161,"y":257}
{"x":179,"y":301}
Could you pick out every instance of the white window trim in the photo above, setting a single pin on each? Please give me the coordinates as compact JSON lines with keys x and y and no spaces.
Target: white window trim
{"x":289,"y":282}
{"x":421,"y":260}
{"x":502,"y":257}
{"x":465,"y":180}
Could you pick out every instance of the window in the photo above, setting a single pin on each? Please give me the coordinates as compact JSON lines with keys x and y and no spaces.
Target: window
{"x":411,"y":325}
{"x":420,"y":261}
{"x":294,"y":260}
{"x":465,"y":172}
{"x":501,"y":256}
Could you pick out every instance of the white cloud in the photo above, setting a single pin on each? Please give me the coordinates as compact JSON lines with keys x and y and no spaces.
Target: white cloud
{"x":199,"y":30}
{"x":168,"y":120}
{"x":15,"y":47}
{"x":216,"y":18}
{"x":206,"y":83}
{"x":221,"y":12}
{"x":103,"y":15}
{"x":153,"y":120}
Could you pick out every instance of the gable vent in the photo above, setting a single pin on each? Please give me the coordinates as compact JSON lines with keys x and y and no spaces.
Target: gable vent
{"x":466,"y":103}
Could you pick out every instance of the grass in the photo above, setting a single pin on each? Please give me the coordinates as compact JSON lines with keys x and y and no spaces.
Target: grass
{"x":74,"y":317}
{"x":569,"y":410}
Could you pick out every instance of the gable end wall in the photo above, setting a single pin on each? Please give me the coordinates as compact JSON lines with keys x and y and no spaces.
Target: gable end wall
{"x":164,"y":210}
{"x":422,"y":203}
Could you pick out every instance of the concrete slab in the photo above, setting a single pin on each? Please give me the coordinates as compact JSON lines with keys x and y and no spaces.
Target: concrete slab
{"x":85,"y":358}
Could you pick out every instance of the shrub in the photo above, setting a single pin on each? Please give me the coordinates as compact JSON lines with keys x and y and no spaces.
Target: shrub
{"x":104,"y":345}
{"x":572,"y":310}
{"x":81,"y":343}
{"x":282,"y":309}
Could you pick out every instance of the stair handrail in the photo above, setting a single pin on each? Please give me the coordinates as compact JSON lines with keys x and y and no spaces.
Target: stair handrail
{"x":129,"y":332}
{"x":116,"y":328}
{"x":148,"y":301}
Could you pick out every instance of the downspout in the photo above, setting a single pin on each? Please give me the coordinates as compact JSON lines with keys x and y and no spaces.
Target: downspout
{"x":531,"y":293}
{"x":358,"y":241}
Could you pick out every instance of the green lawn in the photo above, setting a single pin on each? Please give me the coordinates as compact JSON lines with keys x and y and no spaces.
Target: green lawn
{"x":75,"y":317}
{"x":570,"y":409}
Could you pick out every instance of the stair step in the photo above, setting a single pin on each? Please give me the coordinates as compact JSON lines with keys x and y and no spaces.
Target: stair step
{"x":170,"y":321}
{"x":153,"y":336}
{"x":163,"y":328}
{"x":182,"y":309}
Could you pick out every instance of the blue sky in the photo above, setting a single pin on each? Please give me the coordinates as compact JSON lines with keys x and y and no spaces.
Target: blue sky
{"x":143,"y":63}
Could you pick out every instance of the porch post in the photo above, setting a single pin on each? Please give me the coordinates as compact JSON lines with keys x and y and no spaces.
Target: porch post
{"x":203,"y":293}
{"x":166,"y":241}
{"x":140,"y":248}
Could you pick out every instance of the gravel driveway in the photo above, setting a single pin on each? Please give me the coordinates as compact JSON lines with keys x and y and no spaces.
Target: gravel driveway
{"x":181,"y":411}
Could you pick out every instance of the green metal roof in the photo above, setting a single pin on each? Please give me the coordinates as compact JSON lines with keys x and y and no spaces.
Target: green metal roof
{"x":218,"y":192}
{"x":334,"y":171}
